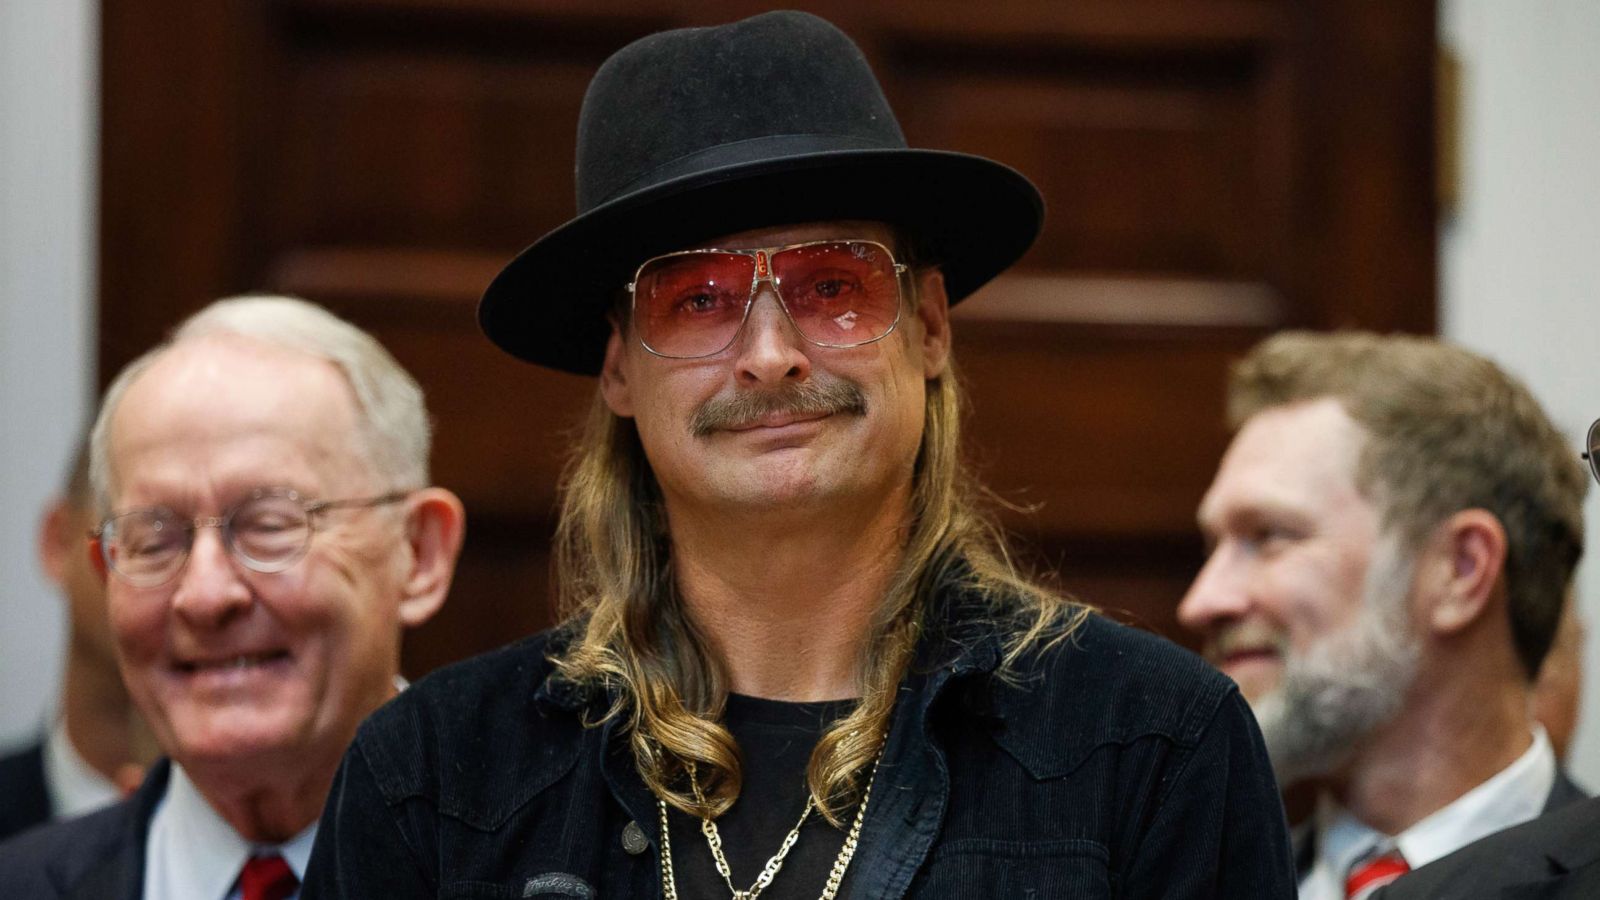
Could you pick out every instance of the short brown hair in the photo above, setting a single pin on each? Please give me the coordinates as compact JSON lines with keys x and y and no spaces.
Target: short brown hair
{"x":1446,"y":430}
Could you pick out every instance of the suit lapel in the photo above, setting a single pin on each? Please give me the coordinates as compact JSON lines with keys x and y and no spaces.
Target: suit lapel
{"x":1563,"y":792}
{"x":1583,"y":885}
{"x":27,"y":799}
{"x":119,"y":875}
{"x":1573,"y":849}
{"x":1577,"y":847}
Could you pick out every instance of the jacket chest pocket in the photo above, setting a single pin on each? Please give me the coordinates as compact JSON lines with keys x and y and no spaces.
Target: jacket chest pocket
{"x":1016,"y":870}
{"x":549,"y":886}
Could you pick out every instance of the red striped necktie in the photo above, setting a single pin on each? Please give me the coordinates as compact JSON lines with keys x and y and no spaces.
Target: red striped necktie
{"x":267,"y":878}
{"x":1373,"y":871}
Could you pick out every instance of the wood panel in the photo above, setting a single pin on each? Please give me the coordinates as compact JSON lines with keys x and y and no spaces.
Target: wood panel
{"x":1214,"y":170}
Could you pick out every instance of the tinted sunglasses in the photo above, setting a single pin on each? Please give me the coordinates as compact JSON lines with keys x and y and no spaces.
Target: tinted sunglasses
{"x":693,"y":303}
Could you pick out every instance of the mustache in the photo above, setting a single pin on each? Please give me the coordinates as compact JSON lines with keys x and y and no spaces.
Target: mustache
{"x":1245,"y":636}
{"x":809,"y":398}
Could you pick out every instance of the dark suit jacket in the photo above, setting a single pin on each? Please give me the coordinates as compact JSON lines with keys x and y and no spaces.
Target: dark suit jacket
{"x":27,"y":802}
{"x":1562,"y":794}
{"x":99,"y":856}
{"x":1554,"y":857}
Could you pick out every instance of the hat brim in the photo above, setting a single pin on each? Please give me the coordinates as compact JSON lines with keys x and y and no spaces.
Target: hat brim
{"x":972,"y":216}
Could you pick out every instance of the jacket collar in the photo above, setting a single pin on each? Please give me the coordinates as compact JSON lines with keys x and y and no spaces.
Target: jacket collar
{"x":557,"y":692}
{"x":119,"y":875}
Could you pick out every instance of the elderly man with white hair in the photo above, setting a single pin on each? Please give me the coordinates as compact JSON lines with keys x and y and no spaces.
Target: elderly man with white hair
{"x":269,"y":531}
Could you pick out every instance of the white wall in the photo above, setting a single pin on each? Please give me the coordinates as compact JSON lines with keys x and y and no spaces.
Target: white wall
{"x":1520,"y":263}
{"x":48,"y":127}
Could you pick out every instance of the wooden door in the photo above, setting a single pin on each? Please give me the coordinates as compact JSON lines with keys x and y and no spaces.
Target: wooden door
{"x":1214,"y":170}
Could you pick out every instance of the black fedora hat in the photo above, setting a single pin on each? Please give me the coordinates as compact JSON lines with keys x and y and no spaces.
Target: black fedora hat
{"x":777,"y":119}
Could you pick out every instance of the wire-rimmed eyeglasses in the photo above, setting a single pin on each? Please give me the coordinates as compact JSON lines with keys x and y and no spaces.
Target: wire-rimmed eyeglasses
{"x":268,"y":531}
{"x":1591,"y":452}
{"x":840,"y":293}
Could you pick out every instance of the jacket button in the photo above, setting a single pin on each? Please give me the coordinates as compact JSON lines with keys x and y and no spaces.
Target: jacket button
{"x":633,"y":839}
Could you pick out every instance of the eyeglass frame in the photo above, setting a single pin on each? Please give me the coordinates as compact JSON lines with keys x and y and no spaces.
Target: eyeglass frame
{"x":901,"y":270}
{"x":224,"y":523}
{"x":1587,"y":454}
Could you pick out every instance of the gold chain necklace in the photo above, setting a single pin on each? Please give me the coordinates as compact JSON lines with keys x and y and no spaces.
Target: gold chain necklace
{"x":669,"y":882}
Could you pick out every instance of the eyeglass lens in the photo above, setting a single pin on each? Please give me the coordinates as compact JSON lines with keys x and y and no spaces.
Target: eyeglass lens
{"x":266,"y":534}
{"x":839,"y":293}
{"x":1593,"y":447}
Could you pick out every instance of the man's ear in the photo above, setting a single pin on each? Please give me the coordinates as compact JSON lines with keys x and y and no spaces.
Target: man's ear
{"x":613,"y":381}
{"x":61,"y":534}
{"x":933,"y":310}
{"x":54,"y":542}
{"x":1467,"y":555}
{"x":435,"y":525}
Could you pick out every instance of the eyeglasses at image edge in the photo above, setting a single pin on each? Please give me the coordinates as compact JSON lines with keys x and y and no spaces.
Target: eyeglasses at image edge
{"x":1591,"y":455}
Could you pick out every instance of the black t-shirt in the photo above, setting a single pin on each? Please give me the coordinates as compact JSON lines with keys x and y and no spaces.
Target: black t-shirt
{"x":775,"y":742}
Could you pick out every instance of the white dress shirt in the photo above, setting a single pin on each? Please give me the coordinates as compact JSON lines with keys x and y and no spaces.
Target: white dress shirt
{"x":1512,"y":796}
{"x":73,"y":785}
{"x":192,"y":853}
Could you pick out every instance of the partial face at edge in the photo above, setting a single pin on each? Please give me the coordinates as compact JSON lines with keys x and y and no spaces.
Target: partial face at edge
{"x":64,"y":554}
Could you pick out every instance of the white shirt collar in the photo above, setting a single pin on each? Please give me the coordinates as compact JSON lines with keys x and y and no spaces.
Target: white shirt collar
{"x":74,"y":786}
{"x":192,"y":853}
{"x":1514,"y":795}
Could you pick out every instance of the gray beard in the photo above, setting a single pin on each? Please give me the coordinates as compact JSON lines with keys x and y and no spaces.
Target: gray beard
{"x":1332,"y":697}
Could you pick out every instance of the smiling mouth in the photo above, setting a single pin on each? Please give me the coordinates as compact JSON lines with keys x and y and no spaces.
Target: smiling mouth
{"x":233,"y":663}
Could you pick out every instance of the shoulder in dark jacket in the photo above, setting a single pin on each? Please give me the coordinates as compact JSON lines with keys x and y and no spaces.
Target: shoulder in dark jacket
{"x":1117,"y":745}
{"x":27,"y":800}
{"x":1115,"y":685}
{"x":99,"y":855}
{"x":1554,"y":857}
{"x":479,"y":738}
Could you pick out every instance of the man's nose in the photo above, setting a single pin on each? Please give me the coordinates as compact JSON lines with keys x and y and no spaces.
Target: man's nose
{"x":1220,"y":593}
{"x":770,"y":349}
{"x":211,"y":589}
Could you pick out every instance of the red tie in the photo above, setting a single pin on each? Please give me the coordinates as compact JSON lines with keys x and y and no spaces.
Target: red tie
{"x":1374,"y":872}
{"x":267,"y":878}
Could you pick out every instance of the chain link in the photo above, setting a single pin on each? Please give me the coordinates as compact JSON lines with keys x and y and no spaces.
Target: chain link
{"x":714,"y":841}
{"x":669,"y":882}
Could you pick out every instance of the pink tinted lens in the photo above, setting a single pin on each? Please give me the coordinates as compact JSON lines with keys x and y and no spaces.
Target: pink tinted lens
{"x":842,"y":293}
{"x":692,"y":304}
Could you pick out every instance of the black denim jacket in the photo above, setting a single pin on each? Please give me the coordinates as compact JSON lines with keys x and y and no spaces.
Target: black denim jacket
{"x":1120,"y":766}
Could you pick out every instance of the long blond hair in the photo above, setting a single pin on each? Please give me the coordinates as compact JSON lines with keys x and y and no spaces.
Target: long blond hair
{"x":629,"y":632}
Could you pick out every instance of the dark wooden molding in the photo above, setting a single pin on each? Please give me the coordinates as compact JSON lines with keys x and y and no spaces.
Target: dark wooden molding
{"x":1213,"y":170}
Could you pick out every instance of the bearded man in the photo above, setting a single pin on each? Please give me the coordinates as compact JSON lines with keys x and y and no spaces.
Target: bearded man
{"x":796,"y":661}
{"x":1393,"y":532}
